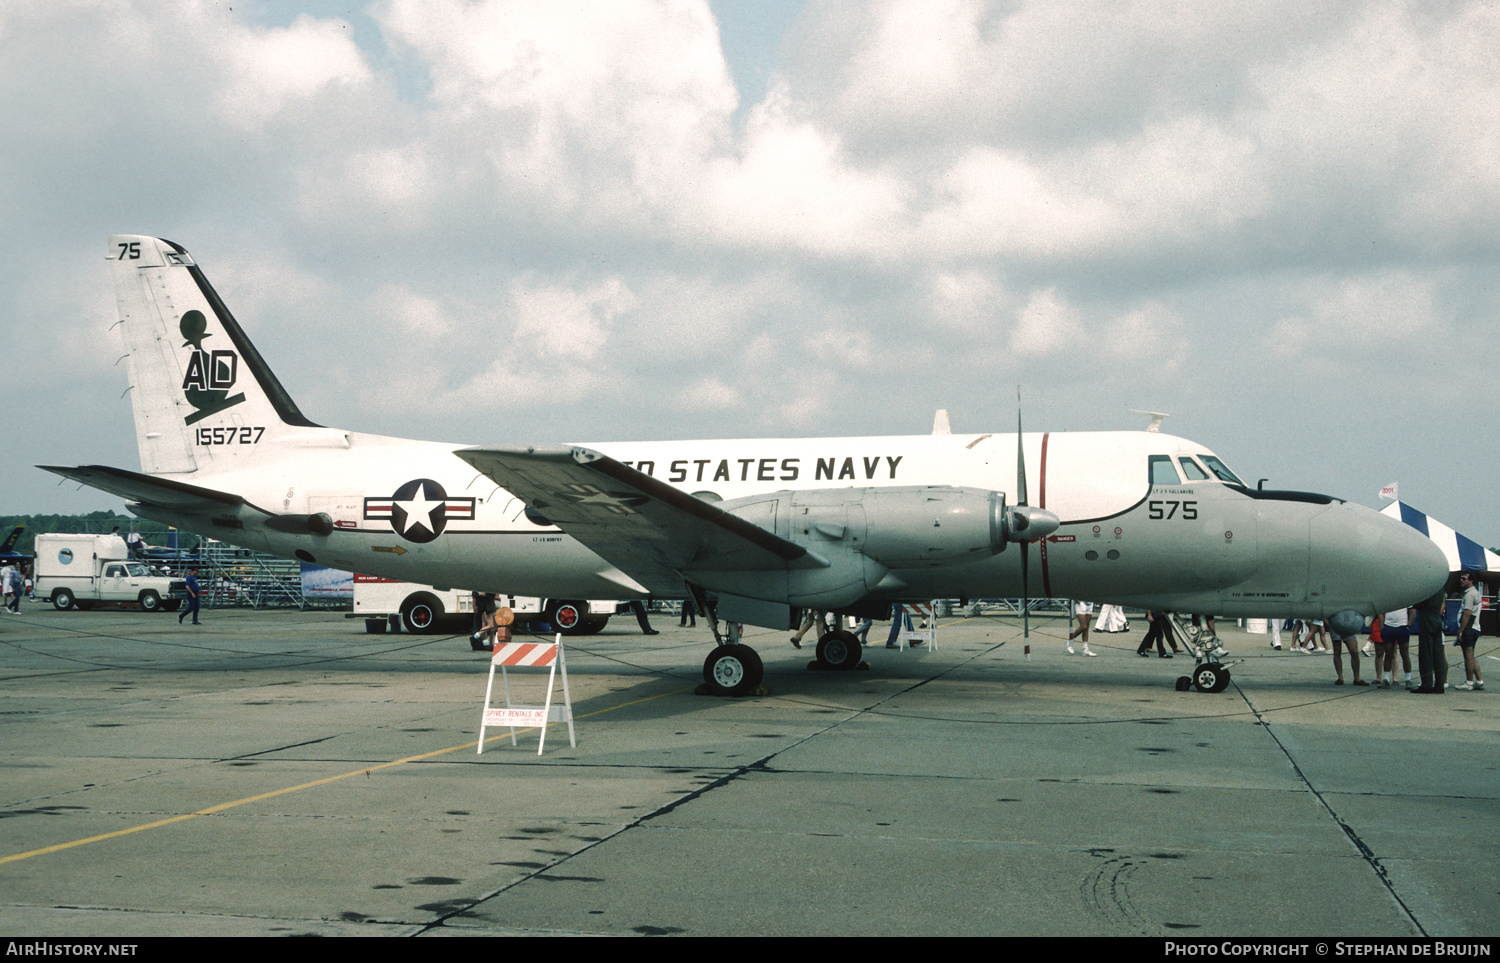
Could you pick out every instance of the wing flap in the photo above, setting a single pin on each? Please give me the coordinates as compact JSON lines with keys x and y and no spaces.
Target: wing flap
{"x":648,"y":529}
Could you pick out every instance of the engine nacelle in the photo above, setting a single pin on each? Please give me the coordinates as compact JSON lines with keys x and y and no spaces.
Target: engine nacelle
{"x":855,"y":536}
{"x":932,"y":526}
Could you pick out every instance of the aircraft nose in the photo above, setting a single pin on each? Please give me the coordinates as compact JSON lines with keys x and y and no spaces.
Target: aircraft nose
{"x":1369,"y":557}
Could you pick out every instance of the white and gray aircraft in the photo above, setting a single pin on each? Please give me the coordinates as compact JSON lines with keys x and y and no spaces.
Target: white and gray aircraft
{"x":752,"y":529}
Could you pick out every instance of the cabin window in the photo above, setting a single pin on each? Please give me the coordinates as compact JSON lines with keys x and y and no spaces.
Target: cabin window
{"x":1192,"y":471}
{"x":1162,"y":472}
{"x":1219,"y":468}
{"x":115,"y":571}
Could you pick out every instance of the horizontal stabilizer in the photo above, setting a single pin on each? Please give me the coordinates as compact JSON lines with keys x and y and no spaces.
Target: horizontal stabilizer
{"x":645,"y":527}
{"x":161,"y":492}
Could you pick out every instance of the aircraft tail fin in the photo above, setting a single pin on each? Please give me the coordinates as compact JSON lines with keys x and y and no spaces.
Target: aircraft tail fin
{"x":204,"y":399}
{"x":9,"y":545}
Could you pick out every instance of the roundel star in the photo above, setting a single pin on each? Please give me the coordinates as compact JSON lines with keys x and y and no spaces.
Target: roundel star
{"x":419,"y":510}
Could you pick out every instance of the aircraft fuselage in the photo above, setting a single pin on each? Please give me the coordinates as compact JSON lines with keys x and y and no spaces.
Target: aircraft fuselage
{"x":1190,"y":545}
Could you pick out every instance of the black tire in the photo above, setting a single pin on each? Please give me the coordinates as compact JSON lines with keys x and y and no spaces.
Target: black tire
{"x":421,"y":612}
{"x":1209,"y":677}
{"x":375,"y":626}
{"x":569,"y":618}
{"x":839,"y":650}
{"x":62,"y":600}
{"x":594,"y":624}
{"x":150,"y":601}
{"x":733,"y":670}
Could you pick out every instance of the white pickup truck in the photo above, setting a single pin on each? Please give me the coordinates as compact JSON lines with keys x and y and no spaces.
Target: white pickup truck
{"x":77,"y":571}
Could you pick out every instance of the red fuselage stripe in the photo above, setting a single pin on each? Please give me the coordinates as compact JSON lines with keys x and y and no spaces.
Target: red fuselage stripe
{"x":1042,"y":486}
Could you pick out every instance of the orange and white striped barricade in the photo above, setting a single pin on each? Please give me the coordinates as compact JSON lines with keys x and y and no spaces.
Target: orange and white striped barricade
{"x":532,"y":655}
{"x":928,"y":635}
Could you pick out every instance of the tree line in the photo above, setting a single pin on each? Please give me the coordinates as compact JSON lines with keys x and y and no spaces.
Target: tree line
{"x":98,"y":523}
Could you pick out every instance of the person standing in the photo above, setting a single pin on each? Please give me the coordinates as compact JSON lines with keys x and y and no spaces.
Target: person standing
{"x":689,"y":619}
{"x":1432,"y":663}
{"x":11,"y":591}
{"x":195,"y":593}
{"x":639,"y":608}
{"x":814,"y":617}
{"x":899,"y":618}
{"x":1468,"y":632}
{"x":1111,"y":619}
{"x":1081,"y":611}
{"x":1341,"y":642}
{"x":1396,"y":634}
{"x":1155,"y":631}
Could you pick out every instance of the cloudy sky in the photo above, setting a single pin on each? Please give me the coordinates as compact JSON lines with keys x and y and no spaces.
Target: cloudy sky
{"x":511,"y":222}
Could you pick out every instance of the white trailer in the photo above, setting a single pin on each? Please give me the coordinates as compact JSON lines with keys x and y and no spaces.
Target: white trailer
{"x":77,"y":571}
{"x":384,"y":602}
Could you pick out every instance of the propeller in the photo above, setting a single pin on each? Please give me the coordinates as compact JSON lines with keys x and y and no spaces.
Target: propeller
{"x":1021,"y":524}
{"x":1027,"y":525}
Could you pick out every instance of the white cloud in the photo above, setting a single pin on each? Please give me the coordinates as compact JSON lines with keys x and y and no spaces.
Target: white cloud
{"x":1148,"y":337}
{"x":1048,"y":324}
{"x":1385,"y":310}
{"x":566,"y":325}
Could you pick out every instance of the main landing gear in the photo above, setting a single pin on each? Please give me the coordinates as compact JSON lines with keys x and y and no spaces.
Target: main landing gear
{"x":733,"y":670}
{"x":839,"y":651}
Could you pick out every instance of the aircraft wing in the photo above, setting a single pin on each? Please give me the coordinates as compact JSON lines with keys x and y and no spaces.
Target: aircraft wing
{"x":645,"y":527}
{"x":132,"y":486}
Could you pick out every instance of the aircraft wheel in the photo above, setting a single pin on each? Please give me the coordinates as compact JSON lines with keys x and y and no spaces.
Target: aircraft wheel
{"x":421,"y":612}
{"x":62,"y":600}
{"x":1210,"y":677}
{"x":150,"y":601}
{"x":839,"y":649}
{"x":733,"y":670}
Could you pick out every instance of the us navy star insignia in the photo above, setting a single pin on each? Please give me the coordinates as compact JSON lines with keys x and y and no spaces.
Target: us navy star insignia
{"x":419,"y":510}
{"x":618,"y":502}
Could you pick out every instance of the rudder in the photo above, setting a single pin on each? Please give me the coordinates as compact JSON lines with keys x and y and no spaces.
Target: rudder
{"x":201,"y":393}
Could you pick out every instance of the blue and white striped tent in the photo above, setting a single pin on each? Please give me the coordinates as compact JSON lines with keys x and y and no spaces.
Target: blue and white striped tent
{"x":1464,"y":554}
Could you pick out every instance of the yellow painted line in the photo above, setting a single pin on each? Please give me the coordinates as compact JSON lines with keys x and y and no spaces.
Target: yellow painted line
{"x":221,"y":807}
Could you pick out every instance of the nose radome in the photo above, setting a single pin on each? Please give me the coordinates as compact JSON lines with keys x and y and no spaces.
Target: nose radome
{"x":1361,"y":555}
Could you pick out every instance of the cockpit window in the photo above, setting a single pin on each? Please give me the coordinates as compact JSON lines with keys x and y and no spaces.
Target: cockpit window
{"x":1162,"y":472}
{"x":1218,"y":468}
{"x":1192,"y":471}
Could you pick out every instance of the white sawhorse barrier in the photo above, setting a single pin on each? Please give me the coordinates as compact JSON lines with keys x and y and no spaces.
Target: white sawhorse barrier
{"x":534,"y":655}
{"x":927,"y":635}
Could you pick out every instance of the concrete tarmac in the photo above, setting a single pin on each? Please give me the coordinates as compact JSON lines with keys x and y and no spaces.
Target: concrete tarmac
{"x":279,"y":772}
